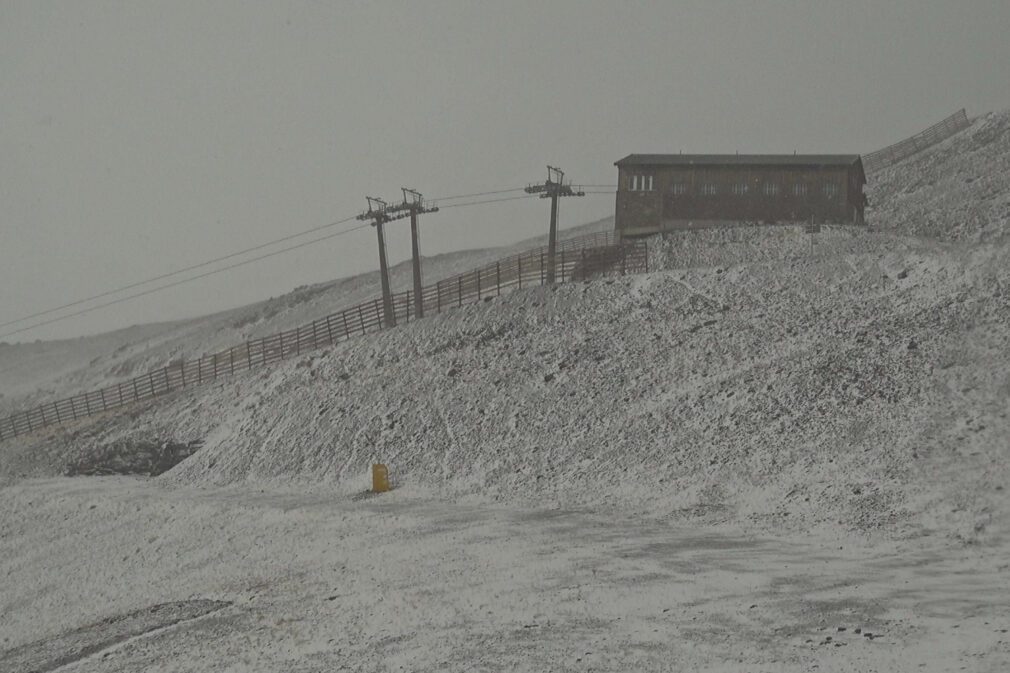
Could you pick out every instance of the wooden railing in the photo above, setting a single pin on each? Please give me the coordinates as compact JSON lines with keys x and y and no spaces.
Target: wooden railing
{"x":892,"y":154}
{"x":577,"y":259}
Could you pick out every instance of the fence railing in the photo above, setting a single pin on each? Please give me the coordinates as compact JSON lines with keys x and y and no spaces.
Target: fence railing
{"x":577,"y":259}
{"x":892,"y":154}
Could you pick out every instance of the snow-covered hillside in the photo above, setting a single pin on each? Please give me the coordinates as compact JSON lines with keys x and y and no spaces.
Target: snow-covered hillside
{"x":818,"y":390}
{"x":957,"y":190}
{"x":33,"y":373}
{"x":854,"y":378}
{"x":775,"y":451}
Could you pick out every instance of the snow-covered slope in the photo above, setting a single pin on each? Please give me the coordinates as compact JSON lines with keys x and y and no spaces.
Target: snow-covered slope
{"x":956,"y":190}
{"x":32,"y":373}
{"x":858,"y":378}
{"x":866,"y":389}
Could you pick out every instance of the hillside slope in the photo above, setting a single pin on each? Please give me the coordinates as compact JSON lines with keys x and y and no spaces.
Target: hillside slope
{"x":33,"y":373}
{"x":814,"y":391}
{"x":956,"y":190}
{"x":857,"y":380}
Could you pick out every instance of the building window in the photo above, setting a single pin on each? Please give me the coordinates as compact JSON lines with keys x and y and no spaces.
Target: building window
{"x":830,"y":190}
{"x":709,"y":189}
{"x":771,"y":189}
{"x":678,"y":189}
{"x":799,"y":189}
{"x":641,"y":183}
{"x":740,"y":188}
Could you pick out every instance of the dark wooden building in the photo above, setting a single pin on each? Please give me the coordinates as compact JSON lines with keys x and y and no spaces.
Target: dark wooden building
{"x":661,"y":192}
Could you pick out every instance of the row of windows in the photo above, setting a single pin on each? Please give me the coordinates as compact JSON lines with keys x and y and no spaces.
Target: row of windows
{"x":643,"y":183}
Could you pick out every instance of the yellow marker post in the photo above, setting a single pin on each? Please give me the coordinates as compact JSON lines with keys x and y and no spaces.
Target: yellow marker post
{"x":380,"y":478}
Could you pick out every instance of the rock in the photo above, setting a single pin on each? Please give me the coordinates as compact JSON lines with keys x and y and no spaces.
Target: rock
{"x":903,"y":274}
{"x":912,"y":345}
{"x":548,"y":378}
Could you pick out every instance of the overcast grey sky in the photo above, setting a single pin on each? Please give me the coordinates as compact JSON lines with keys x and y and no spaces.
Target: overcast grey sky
{"x":140,"y":137}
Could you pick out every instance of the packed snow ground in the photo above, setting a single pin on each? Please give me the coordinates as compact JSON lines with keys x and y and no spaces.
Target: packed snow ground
{"x":812,"y":426}
{"x":319,"y":582}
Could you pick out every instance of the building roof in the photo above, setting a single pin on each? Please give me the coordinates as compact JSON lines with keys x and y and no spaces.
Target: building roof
{"x":804,"y":160}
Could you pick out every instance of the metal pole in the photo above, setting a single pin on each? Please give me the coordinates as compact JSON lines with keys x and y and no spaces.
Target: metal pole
{"x":387,"y":297}
{"x":552,"y":241}
{"x":415,"y":250}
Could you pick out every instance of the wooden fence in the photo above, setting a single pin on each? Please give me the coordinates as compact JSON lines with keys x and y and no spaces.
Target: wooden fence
{"x":894,"y":153}
{"x":577,"y":259}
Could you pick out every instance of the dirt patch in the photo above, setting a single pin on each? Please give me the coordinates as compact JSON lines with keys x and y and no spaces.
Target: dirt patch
{"x":132,"y":457}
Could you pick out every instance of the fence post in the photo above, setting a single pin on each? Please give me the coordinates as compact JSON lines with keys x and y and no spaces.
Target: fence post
{"x":282,"y":344}
{"x":105,"y":407}
{"x":478,"y":284}
{"x":438,"y":295}
{"x":56,"y":408}
{"x":542,"y":270}
{"x":361,"y":317}
{"x":120,"y":390}
{"x":460,"y":291}
{"x":214,"y":362}
{"x":347,"y":329}
{"x":248,"y":352}
{"x":14,"y":427}
{"x":136,"y":395}
{"x":154,"y":391}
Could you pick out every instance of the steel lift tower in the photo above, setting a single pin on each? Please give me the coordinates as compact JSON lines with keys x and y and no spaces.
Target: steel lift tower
{"x":553,"y":189}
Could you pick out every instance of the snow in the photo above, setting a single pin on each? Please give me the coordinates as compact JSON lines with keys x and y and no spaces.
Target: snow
{"x":715,"y":466}
{"x":34,"y":373}
{"x":318,"y":582}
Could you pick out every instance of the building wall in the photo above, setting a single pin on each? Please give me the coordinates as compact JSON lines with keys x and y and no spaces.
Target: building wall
{"x":683,"y":197}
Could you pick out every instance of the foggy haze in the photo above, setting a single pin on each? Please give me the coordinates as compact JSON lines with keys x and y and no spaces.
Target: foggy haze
{"x":139,"y":138}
